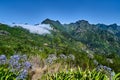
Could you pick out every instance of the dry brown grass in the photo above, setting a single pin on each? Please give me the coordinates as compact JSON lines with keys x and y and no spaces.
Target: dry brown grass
{"x":40,"y":69}
{"x":37,"y":72}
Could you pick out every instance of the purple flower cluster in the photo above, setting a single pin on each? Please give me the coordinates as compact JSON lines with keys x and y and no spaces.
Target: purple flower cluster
{"x":3,"y":59}
{"x":22,"y":75}
{"x":71,"y":56}
{"x":62,"y":56}
{"x":101,"y":67}
{"x":27,"y":65}
{"x":17,"y":64}
{"x":14,"y":64}
{"x":106,"y":69}
{"x":52,"y":57}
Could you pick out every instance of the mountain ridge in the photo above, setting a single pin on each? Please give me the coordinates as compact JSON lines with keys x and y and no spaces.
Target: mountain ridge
{"x":91,"y":34}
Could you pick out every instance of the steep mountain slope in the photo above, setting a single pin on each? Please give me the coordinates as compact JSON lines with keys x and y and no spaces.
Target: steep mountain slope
{"x":17,"y":39}
{"x":99,"y":38}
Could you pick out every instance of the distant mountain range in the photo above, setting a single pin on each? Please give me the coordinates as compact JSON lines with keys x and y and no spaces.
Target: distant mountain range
{"x":99,"y":38}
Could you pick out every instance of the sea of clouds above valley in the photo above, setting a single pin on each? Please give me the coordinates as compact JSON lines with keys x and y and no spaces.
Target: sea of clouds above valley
{"x":39,"y":29}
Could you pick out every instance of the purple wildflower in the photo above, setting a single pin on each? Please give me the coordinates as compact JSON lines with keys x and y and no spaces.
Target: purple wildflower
{"x":22,"y":75}
{"x":27,"y":65}
{"x":3,"y":59}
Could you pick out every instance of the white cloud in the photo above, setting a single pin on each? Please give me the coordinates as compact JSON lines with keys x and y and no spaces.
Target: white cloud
{"x":39,"y":29}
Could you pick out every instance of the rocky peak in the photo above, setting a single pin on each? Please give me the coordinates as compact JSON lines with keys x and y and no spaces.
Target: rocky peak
{"x":49,"y":21}
{"x":114,"y":26}
{"x":82,"y":21}
{"x":45,"y":21}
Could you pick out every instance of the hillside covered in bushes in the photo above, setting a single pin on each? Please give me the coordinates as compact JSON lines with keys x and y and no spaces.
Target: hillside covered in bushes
{"x":66,"y":51}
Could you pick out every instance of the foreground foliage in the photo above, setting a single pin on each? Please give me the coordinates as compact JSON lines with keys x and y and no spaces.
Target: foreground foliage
{"x":6,"y":74}
{"x":18,"y":67}
{"x":82,"y":75}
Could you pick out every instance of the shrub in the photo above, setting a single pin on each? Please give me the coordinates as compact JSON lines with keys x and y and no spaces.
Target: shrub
{"x":16,"y":67}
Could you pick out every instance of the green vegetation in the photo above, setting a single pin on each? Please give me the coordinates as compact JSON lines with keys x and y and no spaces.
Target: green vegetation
{"x":89,"y":45}
{"x":82,"y":75}
{"x":6,"y":74}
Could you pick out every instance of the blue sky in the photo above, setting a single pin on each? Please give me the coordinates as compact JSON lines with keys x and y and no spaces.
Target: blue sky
{"x":66,"y":11}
